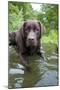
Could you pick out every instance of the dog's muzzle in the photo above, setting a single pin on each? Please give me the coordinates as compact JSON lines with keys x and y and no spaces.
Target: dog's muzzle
{"x":31,"y":39}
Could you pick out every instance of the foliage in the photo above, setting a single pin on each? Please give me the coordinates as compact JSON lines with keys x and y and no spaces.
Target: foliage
{"x":15,"y":17}
{"x":51,"y":38}
{"x":50,"y":15}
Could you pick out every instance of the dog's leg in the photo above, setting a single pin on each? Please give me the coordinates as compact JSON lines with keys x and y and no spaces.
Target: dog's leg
{"x":24,"y":61}
{"x":40,"y":53}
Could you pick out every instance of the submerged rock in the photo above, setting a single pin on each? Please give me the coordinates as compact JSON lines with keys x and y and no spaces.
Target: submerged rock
{"x":13,"y":71}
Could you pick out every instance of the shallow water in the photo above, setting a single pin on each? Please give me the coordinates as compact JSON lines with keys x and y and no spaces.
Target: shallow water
{"x":43,"y":72}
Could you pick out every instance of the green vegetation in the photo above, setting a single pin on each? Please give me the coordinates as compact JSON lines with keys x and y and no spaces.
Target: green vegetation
{"x":48,"y":15}
{"x":51,"y":38}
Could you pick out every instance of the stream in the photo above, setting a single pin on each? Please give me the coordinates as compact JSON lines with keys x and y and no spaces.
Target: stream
{"x":43,"y":72}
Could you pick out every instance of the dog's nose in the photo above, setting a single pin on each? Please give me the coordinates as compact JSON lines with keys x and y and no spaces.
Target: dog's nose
{"x":31,"y":38}
{"x":31,"y":41}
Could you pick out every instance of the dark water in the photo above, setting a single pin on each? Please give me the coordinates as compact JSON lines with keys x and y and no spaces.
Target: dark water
{"x":43,"y":72}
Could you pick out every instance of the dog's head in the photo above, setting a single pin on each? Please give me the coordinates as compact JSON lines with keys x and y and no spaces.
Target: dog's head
{"x":28,"y":35}
{"x":32,"y":32}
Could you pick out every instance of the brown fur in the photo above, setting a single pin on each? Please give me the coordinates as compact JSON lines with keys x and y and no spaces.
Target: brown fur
{"x":27,"y":40}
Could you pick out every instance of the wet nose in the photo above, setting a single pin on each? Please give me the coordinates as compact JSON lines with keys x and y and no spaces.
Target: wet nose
{"x":31,"y":39}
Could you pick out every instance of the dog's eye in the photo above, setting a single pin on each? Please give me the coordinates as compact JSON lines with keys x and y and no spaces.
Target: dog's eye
{"x":36,"y":30}
{"x":28,"y":27}
{"x":27,"y":31}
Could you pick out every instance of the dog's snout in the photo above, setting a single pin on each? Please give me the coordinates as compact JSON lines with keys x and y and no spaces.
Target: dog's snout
{"x":31,"y":36}
{"x":31,"y":40}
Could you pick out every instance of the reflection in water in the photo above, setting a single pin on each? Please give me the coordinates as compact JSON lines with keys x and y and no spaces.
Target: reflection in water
{"x":31,"y":78}
{"x":43,"y":73}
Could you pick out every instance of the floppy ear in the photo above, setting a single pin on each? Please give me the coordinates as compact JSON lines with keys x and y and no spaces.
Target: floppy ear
{"x":42,"y":28}
{"x":23,"y":29}
{"x":21,"y":39}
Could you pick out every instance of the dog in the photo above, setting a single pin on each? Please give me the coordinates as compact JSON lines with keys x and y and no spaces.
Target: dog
{"x":27,"y":40}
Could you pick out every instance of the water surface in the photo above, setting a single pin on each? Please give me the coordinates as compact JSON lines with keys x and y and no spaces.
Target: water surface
{"x":43,"y":72}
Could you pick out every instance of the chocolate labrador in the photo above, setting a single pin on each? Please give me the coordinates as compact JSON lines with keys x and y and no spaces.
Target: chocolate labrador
{"x":27,"y":40}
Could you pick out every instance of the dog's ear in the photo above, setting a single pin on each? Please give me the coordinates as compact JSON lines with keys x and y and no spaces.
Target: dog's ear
{"x":42,"y":28}
{"x":22,"y":29}
{"x":21,"y":39}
